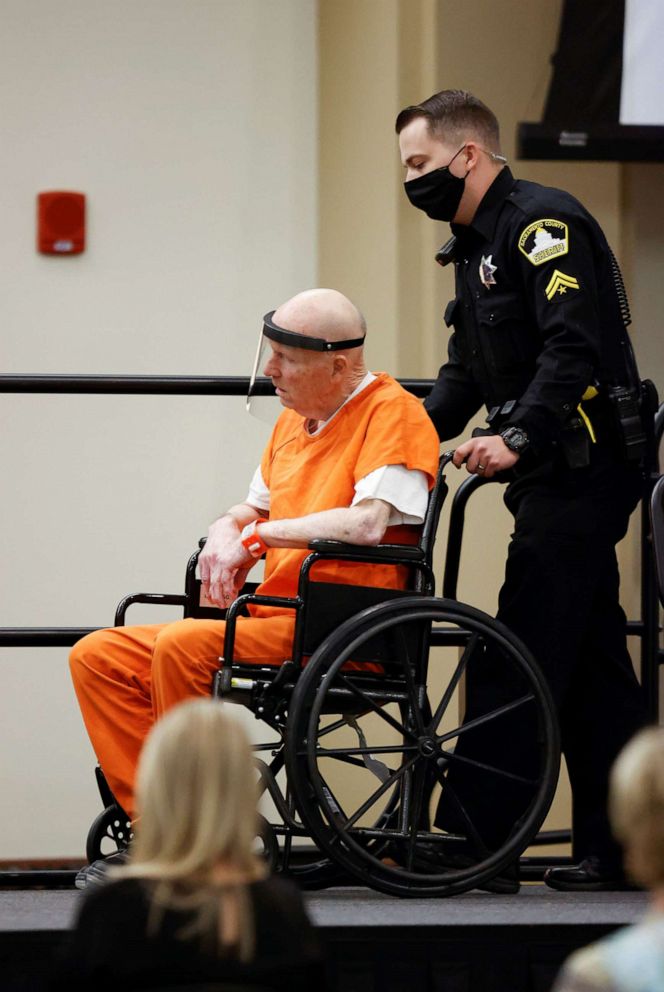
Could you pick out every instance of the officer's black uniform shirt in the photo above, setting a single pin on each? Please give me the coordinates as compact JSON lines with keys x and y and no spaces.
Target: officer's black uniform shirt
{"x":536,"y":316}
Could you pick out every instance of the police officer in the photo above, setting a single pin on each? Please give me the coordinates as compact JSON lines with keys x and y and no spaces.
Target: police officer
{"x":539,"y":339}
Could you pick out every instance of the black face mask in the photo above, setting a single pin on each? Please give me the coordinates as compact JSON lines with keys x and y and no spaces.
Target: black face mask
{"x":438,"y":192}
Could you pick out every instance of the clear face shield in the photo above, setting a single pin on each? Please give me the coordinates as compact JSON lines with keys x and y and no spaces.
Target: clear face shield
{"x":261,"y":400}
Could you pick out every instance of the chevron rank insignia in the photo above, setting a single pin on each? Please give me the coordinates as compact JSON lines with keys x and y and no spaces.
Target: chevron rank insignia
{"x":560,"y":284}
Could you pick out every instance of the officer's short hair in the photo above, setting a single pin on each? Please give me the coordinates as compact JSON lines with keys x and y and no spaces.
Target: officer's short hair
{"x":452,"y":115}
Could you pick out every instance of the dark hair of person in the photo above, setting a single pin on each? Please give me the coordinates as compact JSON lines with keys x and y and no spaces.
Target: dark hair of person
{"x":455,"y":115}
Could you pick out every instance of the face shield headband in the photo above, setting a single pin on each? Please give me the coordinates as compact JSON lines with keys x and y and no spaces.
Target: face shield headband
{"x":295,"y":340}
{"x":272,"y":332}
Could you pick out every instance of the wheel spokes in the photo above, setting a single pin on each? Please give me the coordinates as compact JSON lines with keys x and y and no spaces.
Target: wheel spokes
{"x":331,"y":727}
{"x":473,"y":834}
{"x":330,"y":752}
{"x":479,"y":721}
{"x":375,"y":708}
{"x":418,"y":780}
{"x":380,"y":791}
{"x":482,"y":766}
{"x":413,"y":689}
{"x":454,"y":681}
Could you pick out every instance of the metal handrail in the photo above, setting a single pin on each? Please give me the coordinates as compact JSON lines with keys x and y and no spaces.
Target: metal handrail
{"x":164,"y":385}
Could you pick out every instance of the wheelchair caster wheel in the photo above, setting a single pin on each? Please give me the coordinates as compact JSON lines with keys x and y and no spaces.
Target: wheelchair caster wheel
{"x":109,"y":833}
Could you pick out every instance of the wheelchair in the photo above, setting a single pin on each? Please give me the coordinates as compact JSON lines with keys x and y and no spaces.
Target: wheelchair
{"x":379,"y":760}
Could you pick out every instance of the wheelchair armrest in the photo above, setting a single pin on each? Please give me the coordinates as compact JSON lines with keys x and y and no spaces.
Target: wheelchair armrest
{"x":378,"y":552}
{"x":235,"y":610}
{"x":152,"y":598}
{"x":251,"y":599}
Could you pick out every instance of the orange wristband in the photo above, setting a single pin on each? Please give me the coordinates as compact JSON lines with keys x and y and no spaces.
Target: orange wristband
{"x":252,"y":540}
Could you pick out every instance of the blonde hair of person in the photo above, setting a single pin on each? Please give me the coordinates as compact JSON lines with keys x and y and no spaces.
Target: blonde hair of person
{"x":636,"y":806}
{"x":196,"y":794}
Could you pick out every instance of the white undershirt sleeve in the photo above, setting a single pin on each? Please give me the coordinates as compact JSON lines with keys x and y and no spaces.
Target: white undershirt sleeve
{"x":406,"y":490}
{"x":259,"y":494}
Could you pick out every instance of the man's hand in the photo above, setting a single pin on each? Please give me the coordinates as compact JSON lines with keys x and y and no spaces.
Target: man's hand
{"x":224,"y":562}
{"x":485,"y":455}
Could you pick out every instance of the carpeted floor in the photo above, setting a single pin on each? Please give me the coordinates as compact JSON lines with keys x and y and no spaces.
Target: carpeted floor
{"x":357,"y":907}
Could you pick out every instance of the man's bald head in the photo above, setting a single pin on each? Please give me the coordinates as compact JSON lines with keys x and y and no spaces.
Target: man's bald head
{"x":322,"y":313}
{"x":316,"y":383}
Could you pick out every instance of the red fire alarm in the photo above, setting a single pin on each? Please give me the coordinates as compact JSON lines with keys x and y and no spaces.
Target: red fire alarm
{"x":61,"y":223}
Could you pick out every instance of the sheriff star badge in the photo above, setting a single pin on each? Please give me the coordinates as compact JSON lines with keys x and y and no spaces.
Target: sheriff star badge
{"x":487,"y":270}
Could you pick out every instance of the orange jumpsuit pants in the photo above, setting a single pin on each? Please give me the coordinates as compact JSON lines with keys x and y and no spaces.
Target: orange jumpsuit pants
{"x":126,"y":677}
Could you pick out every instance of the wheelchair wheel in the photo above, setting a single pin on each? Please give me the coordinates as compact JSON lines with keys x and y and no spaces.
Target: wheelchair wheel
{"x":109,"y":833}
{"x":398,"y":788}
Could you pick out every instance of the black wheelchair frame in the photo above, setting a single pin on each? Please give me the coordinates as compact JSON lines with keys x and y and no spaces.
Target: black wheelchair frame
{"x":384,"y":838}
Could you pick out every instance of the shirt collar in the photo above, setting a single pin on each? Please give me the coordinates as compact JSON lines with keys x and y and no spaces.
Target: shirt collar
{"x":486,"y":216}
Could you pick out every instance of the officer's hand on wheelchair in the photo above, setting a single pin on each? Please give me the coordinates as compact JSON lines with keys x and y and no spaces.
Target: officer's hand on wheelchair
{"x":485,"y":455}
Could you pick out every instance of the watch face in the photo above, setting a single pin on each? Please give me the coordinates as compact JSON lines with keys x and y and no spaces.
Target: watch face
{"x":515,"y":439}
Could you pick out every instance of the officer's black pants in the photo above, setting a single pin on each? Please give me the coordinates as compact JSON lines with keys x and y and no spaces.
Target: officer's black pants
{"x":560,"y":596}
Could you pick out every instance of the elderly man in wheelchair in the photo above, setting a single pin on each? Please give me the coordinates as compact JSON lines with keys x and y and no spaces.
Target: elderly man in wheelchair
{"x":342,"y":649}
{"x":352,"y":458}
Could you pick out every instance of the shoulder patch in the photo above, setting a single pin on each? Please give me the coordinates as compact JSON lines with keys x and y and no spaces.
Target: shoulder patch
{"x":543,"y":240}
{"x":559,"y":283}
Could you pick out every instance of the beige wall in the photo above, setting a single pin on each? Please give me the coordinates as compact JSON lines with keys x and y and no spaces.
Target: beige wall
{"x":358,"y":255}
{"x":643,"y":257}
{"x":191,"y":125}
{"x":643,"y":213}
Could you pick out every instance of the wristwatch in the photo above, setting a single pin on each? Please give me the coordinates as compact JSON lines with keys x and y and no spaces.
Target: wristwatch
{"x":516,"y":439}
{"x":252,"y":540}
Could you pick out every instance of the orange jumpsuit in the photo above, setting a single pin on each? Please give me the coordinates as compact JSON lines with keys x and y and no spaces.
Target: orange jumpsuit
{"x":126,"y":677}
